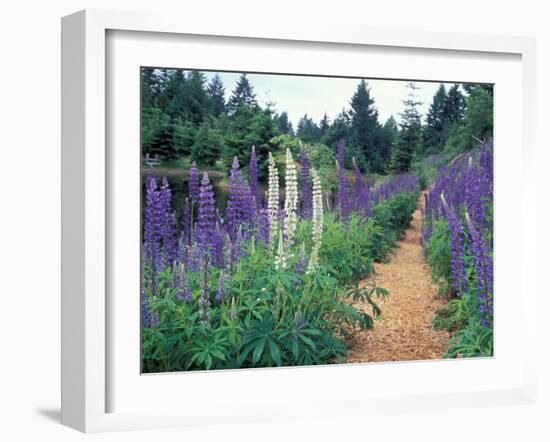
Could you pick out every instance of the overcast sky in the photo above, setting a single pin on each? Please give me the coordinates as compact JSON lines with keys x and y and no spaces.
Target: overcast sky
{"x":299,"y":95}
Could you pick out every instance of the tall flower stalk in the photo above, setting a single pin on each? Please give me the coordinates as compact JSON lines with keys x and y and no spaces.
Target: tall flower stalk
{"x":317,"y":229}
{"x":273,"y":199}
{"x":291,"y":199}
{"x":483,"y":265}
{"x":240,"y":204}
{"x":306,"y":184}
{"x":206,"y":222}
{"x":457,"y":247}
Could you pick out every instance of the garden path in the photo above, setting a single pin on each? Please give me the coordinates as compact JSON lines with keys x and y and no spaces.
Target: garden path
{"x":403,"y":332}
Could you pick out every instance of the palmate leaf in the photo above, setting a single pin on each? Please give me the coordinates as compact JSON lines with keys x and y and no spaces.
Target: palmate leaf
{"x":274,"y":352}
{"x":258,"y":350}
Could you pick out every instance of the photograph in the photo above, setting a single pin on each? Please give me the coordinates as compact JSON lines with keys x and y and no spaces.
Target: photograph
{"x":298,"y":220}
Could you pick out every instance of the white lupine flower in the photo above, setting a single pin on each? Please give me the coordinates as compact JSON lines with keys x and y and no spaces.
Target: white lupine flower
{"x":291,"y":198}
{"x":273,"y":199}
{"x":317,"y":230}
{"x":280,"y":258}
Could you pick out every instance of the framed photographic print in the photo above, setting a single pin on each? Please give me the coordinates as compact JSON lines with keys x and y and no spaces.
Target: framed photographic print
{"x":271,"y":222}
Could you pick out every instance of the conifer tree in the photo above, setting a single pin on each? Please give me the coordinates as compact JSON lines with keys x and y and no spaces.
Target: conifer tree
{"x":455,"y":104}
{"x":409,"y":141}
{"x":216,"y":95}
{"x":284,"y":124}
{"x":365,"y":127}
{"x":243,"y":95}
{"x":435,"y":130}
{"x":307,"y":130}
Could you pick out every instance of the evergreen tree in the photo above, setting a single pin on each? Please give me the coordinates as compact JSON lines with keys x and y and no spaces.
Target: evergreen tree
{"x":455,"y":103}
{"x":163,"y":140}
{"x":477,"y":124}
{"x":208,"y":143}
{"x":243,"y":95}
{"x":184,"y":136}
{"x":338,"y":130}
{"x":365,"y":127}
{"x":307,"y":130}
{"x":246,"y":128}
{"x":436,"y":125}
{"x":216,"y":96}
{"x":470,"y":87}
{"x":409,"y":141}
{"x":173,"y":99}
{"x":387,"y":136}
{"x":324,"y":126}
{"x":284,"y":124}
{"x":150,"y":114}
{"x":195,"y":98}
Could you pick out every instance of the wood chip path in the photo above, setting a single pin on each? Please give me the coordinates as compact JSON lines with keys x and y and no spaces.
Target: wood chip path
{"x":403,"y":332}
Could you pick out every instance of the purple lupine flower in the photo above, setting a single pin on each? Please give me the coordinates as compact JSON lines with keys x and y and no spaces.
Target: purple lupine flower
{"x":263,"y":226}
{"x":253,"y":174}
{"x":235,"y":200}
{"x":472,"y":192}
{"x":486,"y":182}
{"x":152,"y":231}
{"x":206,"y":219}
{"x":218,"y":251}
{"x":307,"y":196}
{"x":362,"y":193}
{"x":168,"y":224}
{"x":241,"y":204}
{"x":458,"y":272}
{"x":343,"y":197}
{"x":483,"y":265}
{"x":186,"y":222}
{"x":194,"y":186}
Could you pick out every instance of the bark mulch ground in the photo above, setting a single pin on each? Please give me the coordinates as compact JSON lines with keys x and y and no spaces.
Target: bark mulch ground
{"x":404,"y":331}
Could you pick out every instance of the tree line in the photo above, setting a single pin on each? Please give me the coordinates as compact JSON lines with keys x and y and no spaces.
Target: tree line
{"x":184,"y":115}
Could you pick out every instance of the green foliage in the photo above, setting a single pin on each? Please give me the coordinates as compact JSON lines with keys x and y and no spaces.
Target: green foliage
{"x":242,"y":96}
{"x":345,"y":250}
{"x":439,"y":254}
{"x":452,"y":317}
{"x":462,"y":314}
{"x":365,"y":128}
{"x":474,"y":340}
{"x":477,"y":124}
{"x":395,"y":214}
{"x":208,"y":143}
{"x":284,"y":125}
{"x":280,"y":318}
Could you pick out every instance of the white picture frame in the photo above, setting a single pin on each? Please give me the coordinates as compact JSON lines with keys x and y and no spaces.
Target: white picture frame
{"x":85,"y":237}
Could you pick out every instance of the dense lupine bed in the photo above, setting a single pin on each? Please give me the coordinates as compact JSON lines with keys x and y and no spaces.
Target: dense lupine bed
{"x":457,"y":238}
{"x":263,"y":282}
